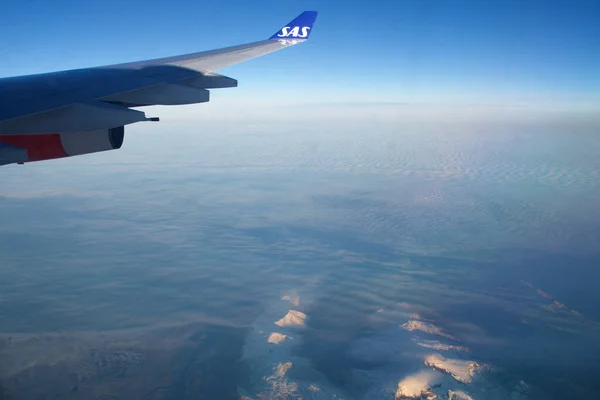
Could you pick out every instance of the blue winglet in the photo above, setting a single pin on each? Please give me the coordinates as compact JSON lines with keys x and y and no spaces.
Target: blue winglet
{"x":299,"y":28}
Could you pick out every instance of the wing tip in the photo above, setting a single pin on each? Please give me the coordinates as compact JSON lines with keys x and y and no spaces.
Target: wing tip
{"x":299,"y":28}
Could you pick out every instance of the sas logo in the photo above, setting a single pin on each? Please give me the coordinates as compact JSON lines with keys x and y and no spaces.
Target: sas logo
{"x":294,"y":32}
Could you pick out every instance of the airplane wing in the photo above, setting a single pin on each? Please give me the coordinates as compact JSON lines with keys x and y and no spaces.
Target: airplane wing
{"x":67,"y":113}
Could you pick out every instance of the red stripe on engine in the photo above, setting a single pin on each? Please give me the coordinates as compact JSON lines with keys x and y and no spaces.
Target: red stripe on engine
{"x":39,"y":147}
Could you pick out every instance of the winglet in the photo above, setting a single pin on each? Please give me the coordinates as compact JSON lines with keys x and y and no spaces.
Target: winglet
{"x":299,"y":28}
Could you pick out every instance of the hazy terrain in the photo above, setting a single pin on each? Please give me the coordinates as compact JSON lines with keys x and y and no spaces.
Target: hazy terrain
{"x":307,"y":260}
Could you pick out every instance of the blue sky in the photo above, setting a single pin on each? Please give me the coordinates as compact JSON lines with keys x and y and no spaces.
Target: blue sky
{"x":491,"y":52}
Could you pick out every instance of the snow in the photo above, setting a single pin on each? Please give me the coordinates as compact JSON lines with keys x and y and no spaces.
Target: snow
{"x":272,"y":356}
{"x":461,"y":370}
{"x":292,"y":318}
{"x":458,"y":395}
{"x":294,"y":299}
{"x":282,"y":368}
{"x":417,"y":385}
{"x":414,"y":325}
{"x":277,"y":338}
{"x":436,"y":345}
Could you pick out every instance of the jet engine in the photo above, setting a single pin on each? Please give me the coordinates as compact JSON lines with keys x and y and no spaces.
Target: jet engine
{"x":27,"y":147}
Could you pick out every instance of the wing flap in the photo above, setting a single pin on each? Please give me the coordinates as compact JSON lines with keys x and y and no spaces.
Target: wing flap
{"x":165,"y":94}
{"x":78,"y":117}
{"x":210,"y":80}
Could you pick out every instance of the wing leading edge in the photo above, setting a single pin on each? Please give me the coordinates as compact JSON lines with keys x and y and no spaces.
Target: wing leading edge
{"x":297,"y":31}
{"x":95,"y":99}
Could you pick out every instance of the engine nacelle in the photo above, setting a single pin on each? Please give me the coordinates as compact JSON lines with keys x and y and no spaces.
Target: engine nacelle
{"x":28,"y":148}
